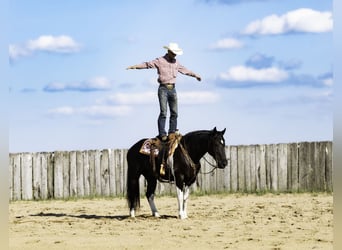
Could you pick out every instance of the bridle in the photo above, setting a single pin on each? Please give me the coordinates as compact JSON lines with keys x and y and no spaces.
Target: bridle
{"x":214,"y":167}
{"x":193,"y":165}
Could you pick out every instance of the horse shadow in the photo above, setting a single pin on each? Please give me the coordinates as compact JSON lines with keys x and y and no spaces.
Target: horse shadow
{"x":101,"y":217}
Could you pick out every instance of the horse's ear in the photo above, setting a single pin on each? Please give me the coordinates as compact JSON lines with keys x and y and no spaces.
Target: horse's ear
{"x":215,"y":130}
{"x":223,"y":131}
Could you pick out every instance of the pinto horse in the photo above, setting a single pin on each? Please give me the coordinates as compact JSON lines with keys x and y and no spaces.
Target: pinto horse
{"x":185,"y":167}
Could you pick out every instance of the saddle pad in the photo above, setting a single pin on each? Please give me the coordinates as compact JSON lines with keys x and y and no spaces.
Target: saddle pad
{"x":146,"y":148}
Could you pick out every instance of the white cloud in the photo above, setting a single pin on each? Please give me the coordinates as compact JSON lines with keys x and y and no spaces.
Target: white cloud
{"x":97,"y":111}
{"x":328,"y":81}
{"x":131,"y":98}
{"x":46,"y":43}
{"x":198,"y":97}
{"x":66,"y":110}
{"x":17,"y":51}
{"x":94,"y":84}
{"x":227,"y":43}
{"x":105,"y":111}
{"x":248,"y":74}
{"x":300,"y":20}
{"x":62,"y":44}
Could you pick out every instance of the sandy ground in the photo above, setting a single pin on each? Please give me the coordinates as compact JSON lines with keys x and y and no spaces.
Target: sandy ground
{"x":230,"y":221}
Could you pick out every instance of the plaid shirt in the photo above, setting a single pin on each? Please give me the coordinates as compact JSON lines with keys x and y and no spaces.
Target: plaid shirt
{"x":167,"y":69}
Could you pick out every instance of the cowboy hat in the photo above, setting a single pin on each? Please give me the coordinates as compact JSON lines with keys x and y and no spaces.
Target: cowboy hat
{"x":174,"y":48}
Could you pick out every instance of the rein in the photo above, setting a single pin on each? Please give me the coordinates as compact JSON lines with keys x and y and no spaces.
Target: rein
{"x":192,"y":164}
{"x":212,"y":165}
{"x":187,"y":156}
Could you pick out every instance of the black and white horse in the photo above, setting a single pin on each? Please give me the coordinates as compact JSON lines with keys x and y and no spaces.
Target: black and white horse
{"x":186,"y":165}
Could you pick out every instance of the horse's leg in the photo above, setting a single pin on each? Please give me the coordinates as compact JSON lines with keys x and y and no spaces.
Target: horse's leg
{"x":151,"y":187}
{"x":133,"y":193}
{"x":180,"y":198}
{"x":185,"y":200}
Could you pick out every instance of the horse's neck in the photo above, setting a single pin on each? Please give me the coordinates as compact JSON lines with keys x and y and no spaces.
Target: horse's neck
{"x":197,"y":148}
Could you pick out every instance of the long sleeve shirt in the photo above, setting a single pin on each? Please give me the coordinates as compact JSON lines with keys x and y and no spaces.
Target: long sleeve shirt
{"x":167,"y":69}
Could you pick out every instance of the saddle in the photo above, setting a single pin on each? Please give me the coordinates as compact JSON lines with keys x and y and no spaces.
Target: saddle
{"x":162,"y":151}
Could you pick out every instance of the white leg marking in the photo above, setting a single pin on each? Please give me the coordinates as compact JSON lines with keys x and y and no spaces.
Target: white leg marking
{"x":132,"y":213}
{"x":185,"y":204}
{"x":153,"y":206}
{"x":180,"y":197}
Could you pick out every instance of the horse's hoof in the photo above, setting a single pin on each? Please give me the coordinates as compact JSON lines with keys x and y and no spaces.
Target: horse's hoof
{"x":182,"y":216}
{"x":132,"y":214}
{"x":156,"y":214}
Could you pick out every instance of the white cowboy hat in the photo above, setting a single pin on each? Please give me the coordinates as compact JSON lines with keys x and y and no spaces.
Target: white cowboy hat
{"x":174,"y":48}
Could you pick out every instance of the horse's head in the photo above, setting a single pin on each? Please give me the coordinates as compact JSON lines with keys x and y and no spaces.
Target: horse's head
{"x":217,"y":147}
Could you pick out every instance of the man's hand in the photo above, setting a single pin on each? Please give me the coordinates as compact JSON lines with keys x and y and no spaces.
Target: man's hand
{"x":131,"y":67}
{"x":198,"y":78}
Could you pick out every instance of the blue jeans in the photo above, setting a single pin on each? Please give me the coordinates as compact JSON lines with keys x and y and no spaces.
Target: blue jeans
{"x":167,"y":96}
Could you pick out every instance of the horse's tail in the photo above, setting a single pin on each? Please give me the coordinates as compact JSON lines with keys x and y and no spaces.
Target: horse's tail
{"x":133,"y":192}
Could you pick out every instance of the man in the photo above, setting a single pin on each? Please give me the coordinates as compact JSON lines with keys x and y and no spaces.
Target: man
{"x":167,"y":68}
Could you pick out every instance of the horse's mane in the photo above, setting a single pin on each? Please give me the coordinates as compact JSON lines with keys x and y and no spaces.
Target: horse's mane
{"x":197,"y":133}
{"x":195,"y":137}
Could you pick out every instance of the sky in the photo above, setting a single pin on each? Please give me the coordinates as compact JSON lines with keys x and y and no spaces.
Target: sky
{"x":266,"y":68}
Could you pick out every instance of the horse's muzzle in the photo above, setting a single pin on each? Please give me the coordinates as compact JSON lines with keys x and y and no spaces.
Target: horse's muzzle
{"x":222,"y":164}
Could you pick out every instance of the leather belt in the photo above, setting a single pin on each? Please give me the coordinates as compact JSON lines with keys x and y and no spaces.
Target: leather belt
{"x":169,"y":86}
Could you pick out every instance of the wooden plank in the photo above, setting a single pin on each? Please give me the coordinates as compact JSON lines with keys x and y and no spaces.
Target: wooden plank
{"x":205,"y":181}
{"x":253,"y":168}
{"x":329,"y":166}
{"x":105,"y":172}
{"x":268,"y":166}
{"x":44,"y":175}
{"x":293,"y":166}
{"x":214,"y":176}
{"x":120,"y":174}
{"x":319,"y":167}
{"x":233,"y":168}
{"x":124,"y":171}
{"x":92,"y":182}
{"x":272,"y":169}
{"x":241,"y":168}
{"x":66,"y":174}
{"x":117,"y":171}
{"x":312,"y":177}
{"x":50,"y":174}
{"x":36,"y":172}
{"x":26,"y":171}
{"x":282,"y":167}
{"x":16,"y":161}
{"x":98,"y":172}
{"x":73,"y":174}
{"x":112,"y":157}
{"x":80,"y":174}
{"x":58,"y":174}
{"x":86,"y":173}
{"x":304,"y":168}
{"x":260,"y":159}
{"x":247,"y":160}
{"x":227,"y":171}
{"x":10,"y":175}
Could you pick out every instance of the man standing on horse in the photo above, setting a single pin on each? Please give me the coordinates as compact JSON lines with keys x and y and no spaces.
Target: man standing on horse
{"x":167,"y":68}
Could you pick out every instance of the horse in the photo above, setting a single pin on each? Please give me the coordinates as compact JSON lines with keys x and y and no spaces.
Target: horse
{"x":185,"y":165}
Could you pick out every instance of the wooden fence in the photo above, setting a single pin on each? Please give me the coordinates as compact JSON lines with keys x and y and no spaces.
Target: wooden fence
{"x":294,"y":167}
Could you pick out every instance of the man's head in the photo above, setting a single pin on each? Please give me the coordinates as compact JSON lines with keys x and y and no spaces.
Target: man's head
{"x":173,"y":49}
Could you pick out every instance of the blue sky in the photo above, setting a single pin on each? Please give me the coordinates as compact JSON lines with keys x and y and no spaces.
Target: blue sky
{"x":266,"y":68}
